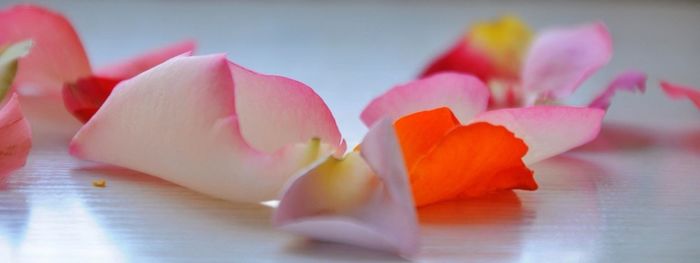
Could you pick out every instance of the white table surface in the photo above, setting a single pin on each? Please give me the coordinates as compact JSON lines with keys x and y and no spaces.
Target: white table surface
{"x":632,"y":195}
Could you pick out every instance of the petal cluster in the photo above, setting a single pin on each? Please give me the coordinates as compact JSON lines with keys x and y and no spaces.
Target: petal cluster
{"x":545,"y":70}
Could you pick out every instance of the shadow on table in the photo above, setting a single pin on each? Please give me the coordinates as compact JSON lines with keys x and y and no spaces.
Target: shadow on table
{"x":688,"y":140}
{"x":621,"y":137}
{"x":328,"y":251}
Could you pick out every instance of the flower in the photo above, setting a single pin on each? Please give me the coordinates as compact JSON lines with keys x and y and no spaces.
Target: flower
{"x":212,"y":126}
{"x":544,"y":71}
{"x":59,"y":62}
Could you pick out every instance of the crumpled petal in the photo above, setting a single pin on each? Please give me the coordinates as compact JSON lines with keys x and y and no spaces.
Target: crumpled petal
{"x":9,"y":56}
{"x":560,"y":59}
{"x":86,"y":95}
{"x":491,"y":50}
{"x":363,"y":199}
{"x":677,"y":91}
{"x":464,"y":94}
{"x":57,"y":54}
{"x":15,"y":137}
{"x":548,"y":130}
{"x":630,"y":81}
{"x":465,"y":161}
{"x":178,"y":121}
{"x":134,"y":66}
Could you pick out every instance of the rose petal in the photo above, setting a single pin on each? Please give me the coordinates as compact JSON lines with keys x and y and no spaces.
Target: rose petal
{"x":15,"y":137}
{"x":359,"y":200}
{"x":57,"y":54}
{"x":548,"y":130}
{"x":462,"y":58}
{"x":464,"y":94}
{"x":134,"y":66}
{"x":466,"y":161}
{"x":491,"y":49}
{"x":274,"y":111}
{"x":680,"y":91}
{"x":178,"y":121}
{"x":630,"y":81}
{"x":85,"y":96}
{"x":561,"y":59}
{"x":419,"y":132}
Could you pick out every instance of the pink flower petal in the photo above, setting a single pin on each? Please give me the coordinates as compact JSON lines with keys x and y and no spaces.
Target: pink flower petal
{"x":464,"y":94}
{"x":679,"y":91}
{"x":274,"y":111}
{"x":630,"y":81}
{"x":15,"y":137}
{"x":548,"y":130}
{"x":57,"y":55}
{"x":85,"y":96}
{"x":134,"y":66}
{"x":178,"y":121}
{"x":561,"y":59}
{"x":359,"y":200}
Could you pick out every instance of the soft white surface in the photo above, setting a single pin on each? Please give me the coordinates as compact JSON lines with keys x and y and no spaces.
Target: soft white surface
{"x":637,"y":203}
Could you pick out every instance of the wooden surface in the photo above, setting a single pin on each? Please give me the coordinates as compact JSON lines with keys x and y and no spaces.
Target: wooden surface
{"x":632,"y":195}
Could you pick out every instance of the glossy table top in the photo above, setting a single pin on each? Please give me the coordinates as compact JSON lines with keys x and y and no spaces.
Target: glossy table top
{"x":631,"y":195}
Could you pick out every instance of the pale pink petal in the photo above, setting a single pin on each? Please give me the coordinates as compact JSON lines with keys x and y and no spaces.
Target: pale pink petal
{"x":57,"y":55}
{"x":178,"y":121}
{"x":548,"y":130}
{"x":274,"y":111}
{"x":631,"y":81}
{"x":464,"y":94}
{"x":15,"y":137}
{"x":363,"y":200}
{"x":561,"y":59}
{"x":680,"y":91}
{"x":132,"y":67}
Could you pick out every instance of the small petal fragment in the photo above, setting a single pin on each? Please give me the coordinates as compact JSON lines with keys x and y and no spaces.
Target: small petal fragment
{"x":548,"y":130}
{"x":57,"y":54}
{"x":630,"y":81}
{"x":134,"y":66}
{"x":363,"y":199}
{"x":467,"y":161}
{"x":464,"y":94}
{"x":15,"y":137}
{"x":677,"y":91}
{"x":178,"y":121}
{"x":561,"y":59}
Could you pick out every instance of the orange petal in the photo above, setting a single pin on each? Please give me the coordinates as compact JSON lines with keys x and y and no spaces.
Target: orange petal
{"x":420,"y":131}
{"x":471,"y":161}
